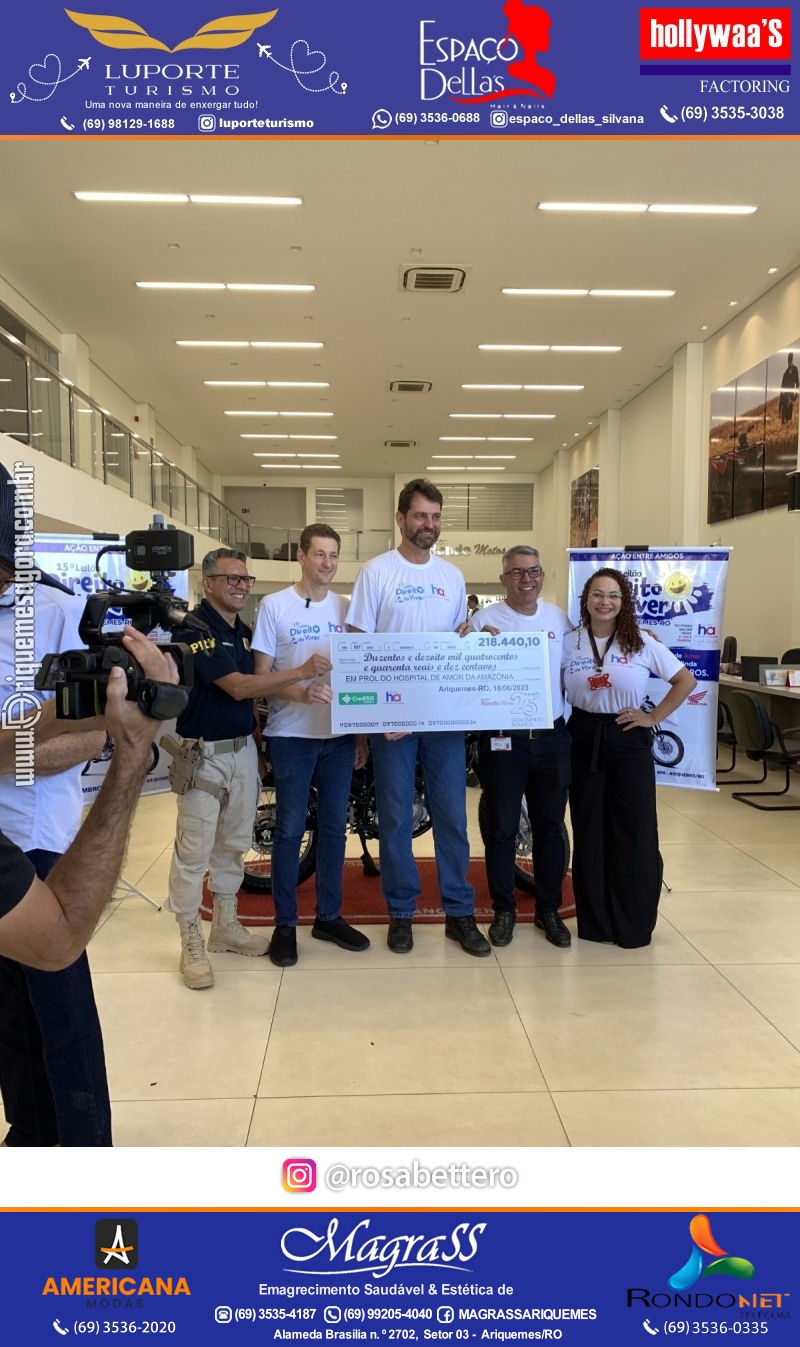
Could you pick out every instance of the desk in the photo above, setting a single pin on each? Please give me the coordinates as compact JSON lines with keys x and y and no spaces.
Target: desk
{"x":778,"y":701}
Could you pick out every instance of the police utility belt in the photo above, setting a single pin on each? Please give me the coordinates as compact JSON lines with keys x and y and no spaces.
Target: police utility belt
{"x":188,"y":756}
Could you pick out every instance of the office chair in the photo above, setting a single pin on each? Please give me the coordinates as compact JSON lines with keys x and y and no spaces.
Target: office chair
{"x":726,"y":738}
{"x":258,"y":551}
{"x":791,"y":656}
{"x":763,"y":742}
{"x":730,"y":648}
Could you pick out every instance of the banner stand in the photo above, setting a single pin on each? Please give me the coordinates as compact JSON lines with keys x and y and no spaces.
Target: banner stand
{"x":131,"y":891}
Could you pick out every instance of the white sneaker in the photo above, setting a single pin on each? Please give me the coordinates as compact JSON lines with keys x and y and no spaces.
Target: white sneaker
{"x":228,"y":936}
{"x":196,"y":971}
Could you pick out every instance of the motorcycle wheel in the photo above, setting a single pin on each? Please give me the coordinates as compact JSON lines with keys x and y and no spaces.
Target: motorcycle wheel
{"x":524,"y":878}
{"x":667,"y":748}
{"x":258,"y":860}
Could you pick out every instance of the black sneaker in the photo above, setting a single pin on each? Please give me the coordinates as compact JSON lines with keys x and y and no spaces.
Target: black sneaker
{"x":554,"y":929}
{"x":400,"y":937}
{"x":340,"y":933}
{"x":501,"y":931}
{"x":283,"y":947}
{"x":464,"y":930}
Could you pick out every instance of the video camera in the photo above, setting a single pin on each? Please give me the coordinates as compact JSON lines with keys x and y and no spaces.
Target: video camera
{"x":79,"y":678}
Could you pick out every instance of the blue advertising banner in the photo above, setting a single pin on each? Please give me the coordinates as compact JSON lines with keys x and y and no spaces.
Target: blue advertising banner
{"x":602,"y":1277}
{"x":304,"y":68}
{"x":679,"y":595}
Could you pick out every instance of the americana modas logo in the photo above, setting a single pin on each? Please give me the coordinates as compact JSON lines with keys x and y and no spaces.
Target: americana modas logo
{"x":696,"y":1266}
{"x":114,"y":31}
{"x":116,"y":1243}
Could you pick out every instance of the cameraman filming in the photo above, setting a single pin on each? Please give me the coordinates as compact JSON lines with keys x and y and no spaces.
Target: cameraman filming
{"x":47,"y":925}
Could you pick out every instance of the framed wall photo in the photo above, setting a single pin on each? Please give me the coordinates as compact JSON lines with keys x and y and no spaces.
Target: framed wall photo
{"x":753,"y":438}
{"x":584,"y":503}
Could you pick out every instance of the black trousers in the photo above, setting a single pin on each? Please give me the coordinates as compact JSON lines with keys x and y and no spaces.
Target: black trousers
{"x":616,"y":866}
{"x":537,"y":769}
{"x":52,"y":1065}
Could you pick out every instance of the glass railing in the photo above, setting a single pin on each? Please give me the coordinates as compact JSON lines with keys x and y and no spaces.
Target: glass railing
{"x":274,"y":544}
{"x":40,"y":408}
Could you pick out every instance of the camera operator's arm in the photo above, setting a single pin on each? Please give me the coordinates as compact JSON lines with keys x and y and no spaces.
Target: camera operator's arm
{"x":51,"y":925}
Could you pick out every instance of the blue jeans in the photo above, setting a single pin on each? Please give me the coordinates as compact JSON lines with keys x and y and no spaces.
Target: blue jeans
{"x":444,"y":766}
{"x":295,"y":764}
{"x":52,"y":1064}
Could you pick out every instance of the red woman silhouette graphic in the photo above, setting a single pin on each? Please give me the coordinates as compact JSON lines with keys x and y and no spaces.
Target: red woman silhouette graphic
{"x":529,"y":26}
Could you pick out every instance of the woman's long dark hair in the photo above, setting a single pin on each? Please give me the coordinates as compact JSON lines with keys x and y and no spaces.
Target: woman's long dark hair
{"x":627,"y":634}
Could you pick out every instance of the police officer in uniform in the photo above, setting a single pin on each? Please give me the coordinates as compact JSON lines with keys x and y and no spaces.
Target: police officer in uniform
{"x":216,"y":750}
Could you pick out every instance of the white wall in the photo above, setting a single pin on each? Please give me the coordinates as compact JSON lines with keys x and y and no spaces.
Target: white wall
{"x":644,"y":496}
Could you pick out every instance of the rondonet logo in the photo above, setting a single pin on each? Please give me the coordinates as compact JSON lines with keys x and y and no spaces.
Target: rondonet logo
{"x":112,"y":31}
{"x":359,"y":1251}
{"x":721,"y":33}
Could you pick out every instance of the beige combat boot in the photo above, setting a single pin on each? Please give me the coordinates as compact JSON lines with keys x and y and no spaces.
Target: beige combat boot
{"x":227,"y":933}
{"x":196,"y":971}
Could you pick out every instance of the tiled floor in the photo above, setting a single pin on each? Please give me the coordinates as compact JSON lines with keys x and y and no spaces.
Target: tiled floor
{"x":694,"y":1041}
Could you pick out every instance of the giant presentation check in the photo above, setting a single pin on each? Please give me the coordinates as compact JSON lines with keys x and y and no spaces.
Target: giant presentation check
{"x":415,"y":681}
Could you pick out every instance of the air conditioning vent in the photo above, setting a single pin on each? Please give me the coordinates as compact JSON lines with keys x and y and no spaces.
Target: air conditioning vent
{"x":399,"y":444}
{"x":410,"y":386}
{"x":442,"y":280}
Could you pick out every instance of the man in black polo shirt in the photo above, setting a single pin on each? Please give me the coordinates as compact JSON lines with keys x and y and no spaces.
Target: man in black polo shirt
{"x":215,"y":816}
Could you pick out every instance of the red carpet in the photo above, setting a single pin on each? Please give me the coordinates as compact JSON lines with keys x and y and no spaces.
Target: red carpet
{"x":364,"y":904}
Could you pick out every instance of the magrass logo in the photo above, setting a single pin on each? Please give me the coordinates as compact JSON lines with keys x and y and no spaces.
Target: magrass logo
{"x":113,"y":31}
{"x":116,"y":1243}
{"x":694,"y":1268}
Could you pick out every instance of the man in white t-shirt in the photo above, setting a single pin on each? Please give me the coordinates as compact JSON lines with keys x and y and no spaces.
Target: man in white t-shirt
{"x":530,"y":763}
{"x":290,"y":626}
{"x":410,"y":590}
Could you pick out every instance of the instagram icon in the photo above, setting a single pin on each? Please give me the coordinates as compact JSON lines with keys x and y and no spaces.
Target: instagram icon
{"x":299,"y":1176}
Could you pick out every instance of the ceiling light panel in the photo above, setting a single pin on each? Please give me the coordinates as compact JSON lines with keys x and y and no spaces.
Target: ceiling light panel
{"x":640,"y":207}
{"x":203,"y":200}
{"x":271,"y":345}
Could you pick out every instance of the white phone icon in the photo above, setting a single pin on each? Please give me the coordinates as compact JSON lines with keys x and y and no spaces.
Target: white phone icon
{"x":665,"y":113}
{"x":59,"y":1329}
{"x":646,"y":1324}
{"x":68,"y":126}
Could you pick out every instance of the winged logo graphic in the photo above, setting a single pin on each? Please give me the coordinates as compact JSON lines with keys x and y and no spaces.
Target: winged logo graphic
{"x":113,"y":31}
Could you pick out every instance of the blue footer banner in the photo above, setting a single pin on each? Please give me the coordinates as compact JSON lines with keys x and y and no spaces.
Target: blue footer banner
{"x":454,"y":68}
{"x":494,"y":1277}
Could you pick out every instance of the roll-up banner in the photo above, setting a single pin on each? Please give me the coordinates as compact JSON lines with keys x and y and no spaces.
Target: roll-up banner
{"x":679,"y":596}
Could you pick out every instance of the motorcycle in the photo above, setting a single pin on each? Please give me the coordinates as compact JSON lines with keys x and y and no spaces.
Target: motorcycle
{"x":363,"y":822}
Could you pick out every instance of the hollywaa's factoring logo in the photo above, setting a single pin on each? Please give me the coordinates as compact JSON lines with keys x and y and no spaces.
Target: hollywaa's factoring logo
{"x":463,"y":67}
{"x":377,"y":1255}
{"x":112,"y":31}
